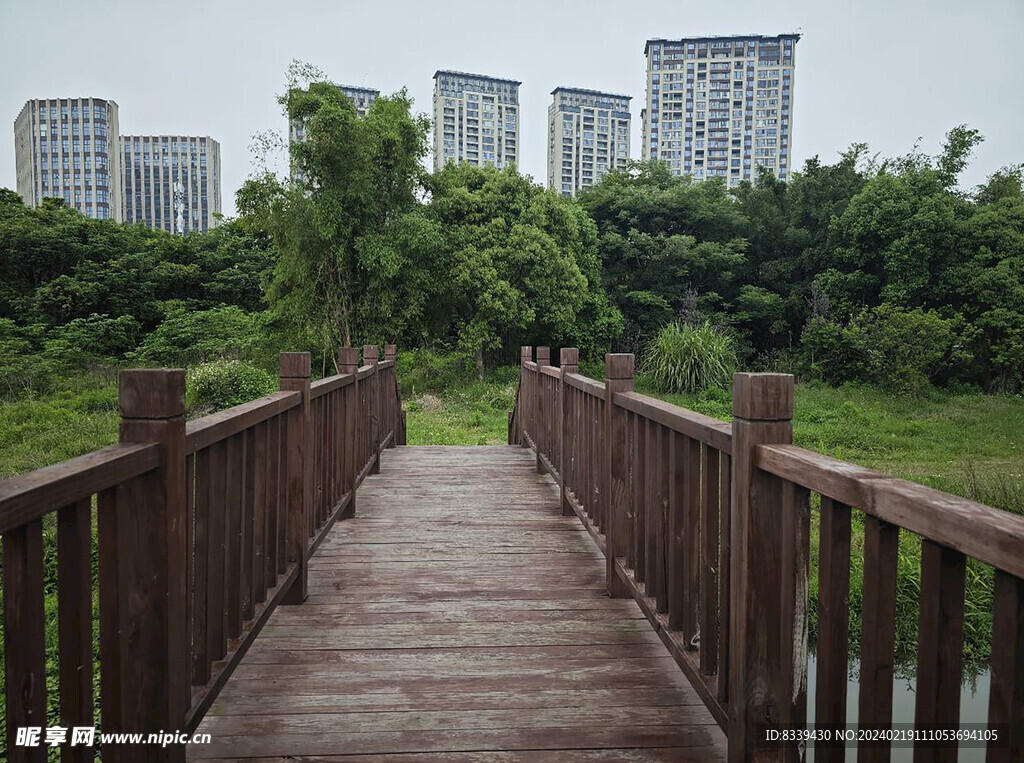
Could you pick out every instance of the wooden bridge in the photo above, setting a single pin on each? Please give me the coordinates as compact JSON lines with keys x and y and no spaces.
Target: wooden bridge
{"x":627,"y":581}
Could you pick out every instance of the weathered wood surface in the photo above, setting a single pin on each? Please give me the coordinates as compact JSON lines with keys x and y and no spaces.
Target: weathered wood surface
{"x":459,"y":617}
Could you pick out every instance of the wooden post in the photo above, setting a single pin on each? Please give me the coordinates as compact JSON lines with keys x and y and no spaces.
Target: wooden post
{"x":543,"y":406}
{"x":393,"y":401}
{"x":144,"y":564}
{"x":760,"y":695}
{"x":348,"y":363}
{"x":370,"y":358}
{"x":522,"y":424}
{"x":297,"y":470}
{"x":569,"y":360}
{"x":618,"y":377}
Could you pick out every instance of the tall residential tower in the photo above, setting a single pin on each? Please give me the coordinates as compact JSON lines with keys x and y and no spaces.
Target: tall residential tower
{"x":171,"y":182}
{"x":476,"y":120}
{"x":588,"y":135}
{"x":721,"y":106}
{"x":67,"y":148}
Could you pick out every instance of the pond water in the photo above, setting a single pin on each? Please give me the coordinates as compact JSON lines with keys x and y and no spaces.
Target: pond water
{"x":973,"y":707}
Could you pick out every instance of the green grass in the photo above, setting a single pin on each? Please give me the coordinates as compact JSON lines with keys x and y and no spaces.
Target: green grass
{"x":971,"y":445}
{"x":476,"y":414}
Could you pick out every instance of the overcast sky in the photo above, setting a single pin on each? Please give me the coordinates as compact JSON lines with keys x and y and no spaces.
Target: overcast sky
{"x":885,"y":72}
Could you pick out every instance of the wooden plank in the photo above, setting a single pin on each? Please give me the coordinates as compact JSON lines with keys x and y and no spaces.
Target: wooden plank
{"x":939,"y":646}
{"x":833,"y":625}
{"x":36,"y":494}
{"x":1006,"y":691}
{"x":74,"y":621}
{"x":24,"y":637}
{"x":878,"y":635}
{"x":510,"y":645}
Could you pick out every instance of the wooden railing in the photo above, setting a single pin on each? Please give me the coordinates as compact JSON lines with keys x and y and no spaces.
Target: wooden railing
{"x":203,"y":529}
{"x":706,"y":524}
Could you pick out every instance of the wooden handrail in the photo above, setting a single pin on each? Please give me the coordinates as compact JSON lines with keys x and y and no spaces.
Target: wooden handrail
{"x":989,"y":535}
{"x":204,"y":432}
{"x":204,"y":528}
{"x":717,"y":434}
{"x":648,"y":479}
{"x":38,"y":493}
{"x":330,"y":383}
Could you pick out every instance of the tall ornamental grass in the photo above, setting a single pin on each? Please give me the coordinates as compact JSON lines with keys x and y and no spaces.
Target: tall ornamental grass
{"x":685,"y":358}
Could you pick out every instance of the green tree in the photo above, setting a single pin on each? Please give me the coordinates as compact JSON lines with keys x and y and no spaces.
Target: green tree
{"x":517,"y":264}
{"x":354,"y":177}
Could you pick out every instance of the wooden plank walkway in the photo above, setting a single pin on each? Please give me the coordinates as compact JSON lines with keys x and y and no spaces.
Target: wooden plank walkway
{"x":459,"y":617}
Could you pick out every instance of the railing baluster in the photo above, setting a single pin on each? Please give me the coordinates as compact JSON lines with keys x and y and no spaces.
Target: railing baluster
{"x":74,"y":621}
{"x":233,"y":497}
{"x":259,"y":517}
{"x":940,"y":635}
{"x":655,"y":528}
{"x":1006,"y":693}
{"x":677,"y":553}
{"x":878,"y":635}
{"x":200,"y":568}
{"x":691,"y":542}
{"x":215,"y":609}
{"x":709,"y":534}
{"x":248,"y":521}
{"x":24,"y":637}
{"x":665,"y":544}
{"x":725,"y":596}
{"x":833,"y":625}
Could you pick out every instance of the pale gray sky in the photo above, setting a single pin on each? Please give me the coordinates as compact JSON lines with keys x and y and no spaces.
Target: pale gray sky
{"x":880,"y":71}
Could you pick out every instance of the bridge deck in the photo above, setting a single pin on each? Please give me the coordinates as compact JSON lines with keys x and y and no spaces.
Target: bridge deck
{"x":459,"y":617}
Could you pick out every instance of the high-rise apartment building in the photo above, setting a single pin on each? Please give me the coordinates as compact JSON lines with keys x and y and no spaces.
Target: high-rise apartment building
{"x":588,"y":135}
{"x":362,"y":98}
{"x":721,"y":106}
{"x":476,"y":120}
{"x":171,"y":182}
{"x":67,"y":148}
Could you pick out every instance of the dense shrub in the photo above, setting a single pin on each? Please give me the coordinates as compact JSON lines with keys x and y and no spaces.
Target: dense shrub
{"x":185,"y":338}
{"x":226,"y":383}
{"x":429,"y":371}
{"x":689,"y":358}
{"x":902,"y":351}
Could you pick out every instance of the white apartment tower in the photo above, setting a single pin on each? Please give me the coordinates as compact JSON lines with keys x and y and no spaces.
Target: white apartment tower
{"x":588,"y":135}
{"x":171,"y":182}
{"x":721,"y":106}
{"x":68,"y":148}
{"x":476,"y":120}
